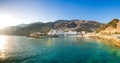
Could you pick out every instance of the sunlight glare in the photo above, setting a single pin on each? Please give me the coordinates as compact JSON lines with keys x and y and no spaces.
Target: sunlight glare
{"x":7,"y":20}
{"x":2,"y":42}
{"x":2,"y":47}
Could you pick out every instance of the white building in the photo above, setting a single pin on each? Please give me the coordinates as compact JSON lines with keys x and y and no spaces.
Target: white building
{"x":55,"y":32}
{"x":63,"y":32}
{"x":70,"y":32}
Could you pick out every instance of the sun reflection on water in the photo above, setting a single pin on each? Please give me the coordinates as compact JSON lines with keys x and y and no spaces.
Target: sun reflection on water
{"x":2,"y":47}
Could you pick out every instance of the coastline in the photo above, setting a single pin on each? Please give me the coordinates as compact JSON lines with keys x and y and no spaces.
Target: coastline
{"x":115,"y":39}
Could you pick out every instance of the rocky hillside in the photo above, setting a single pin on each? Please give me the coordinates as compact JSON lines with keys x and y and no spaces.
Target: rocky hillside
{"x":78,"y":25}
{"x":113,"y":27}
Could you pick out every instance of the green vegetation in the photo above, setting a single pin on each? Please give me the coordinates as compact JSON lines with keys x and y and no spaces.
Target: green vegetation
{"x":83,"y":29}
{"x":117,"y":33}
{"x":112,"y":23}
{"x":102,"y":27}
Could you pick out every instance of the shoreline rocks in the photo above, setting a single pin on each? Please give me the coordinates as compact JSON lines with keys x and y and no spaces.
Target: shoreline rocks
{"x":113,"y":39}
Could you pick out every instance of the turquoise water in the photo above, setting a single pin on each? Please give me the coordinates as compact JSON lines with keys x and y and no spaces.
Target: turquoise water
{"x":20,"y":49}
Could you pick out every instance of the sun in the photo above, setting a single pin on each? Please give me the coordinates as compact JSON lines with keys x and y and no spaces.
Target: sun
{"x":7,"y":20}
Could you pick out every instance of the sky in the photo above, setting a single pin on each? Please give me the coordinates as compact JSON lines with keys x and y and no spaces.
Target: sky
{"x":14,"y":12}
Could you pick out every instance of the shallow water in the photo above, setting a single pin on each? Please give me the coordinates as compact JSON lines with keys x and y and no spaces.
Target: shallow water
{"x":21,"y":49}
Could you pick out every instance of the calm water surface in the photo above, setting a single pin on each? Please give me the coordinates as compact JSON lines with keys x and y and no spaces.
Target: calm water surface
{"x":21,"y":49}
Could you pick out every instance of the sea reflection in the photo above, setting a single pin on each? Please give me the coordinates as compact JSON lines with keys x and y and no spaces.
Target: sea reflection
{"x":48,"y":43}
{"x":2,"y":47}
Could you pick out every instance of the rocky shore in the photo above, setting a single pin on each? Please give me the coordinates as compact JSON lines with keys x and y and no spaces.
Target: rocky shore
{"x":115,"y":39}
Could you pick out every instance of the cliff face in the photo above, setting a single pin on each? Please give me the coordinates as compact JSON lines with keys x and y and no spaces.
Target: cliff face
{"x":112,"y":27}
{"x":78,"y":25}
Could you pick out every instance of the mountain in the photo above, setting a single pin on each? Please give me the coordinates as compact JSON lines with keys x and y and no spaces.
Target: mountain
{"x":22,"y":25}
{"x":79,"y":25}
{"x":112,"y":27}
{"x":25,"y":29}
